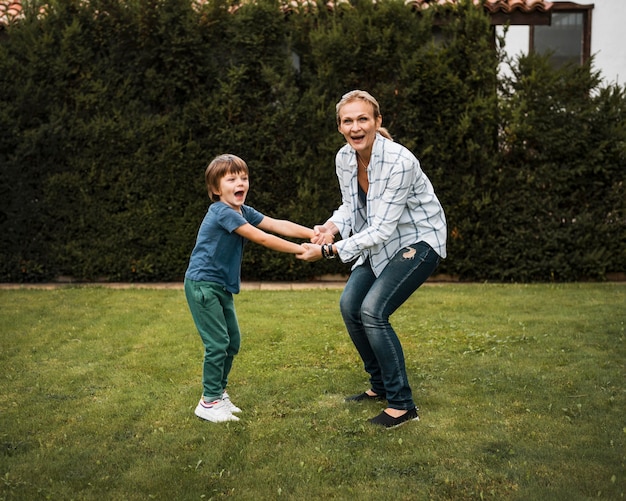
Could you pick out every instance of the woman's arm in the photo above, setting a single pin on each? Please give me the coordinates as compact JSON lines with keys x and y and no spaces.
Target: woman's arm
{"x":385,"y":209}
{"x":273,"y":242}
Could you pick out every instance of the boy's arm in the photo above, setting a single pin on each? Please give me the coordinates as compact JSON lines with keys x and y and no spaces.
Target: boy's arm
{"x":285,"y":228}
{"x":273,"y":242}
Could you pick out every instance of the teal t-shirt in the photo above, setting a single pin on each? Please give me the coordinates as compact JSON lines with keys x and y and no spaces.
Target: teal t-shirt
{"x":218,"y":252}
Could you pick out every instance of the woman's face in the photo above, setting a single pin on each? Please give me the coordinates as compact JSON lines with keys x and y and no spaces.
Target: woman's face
{"x":358,"y":125}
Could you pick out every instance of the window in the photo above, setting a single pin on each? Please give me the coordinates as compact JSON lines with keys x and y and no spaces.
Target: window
{"x":568,"y":38}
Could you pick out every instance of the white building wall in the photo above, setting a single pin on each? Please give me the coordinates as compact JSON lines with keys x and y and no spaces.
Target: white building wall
{"x":608,"y":39}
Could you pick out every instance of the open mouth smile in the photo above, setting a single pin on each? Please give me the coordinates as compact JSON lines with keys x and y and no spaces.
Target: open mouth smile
{"x":357,"y":139}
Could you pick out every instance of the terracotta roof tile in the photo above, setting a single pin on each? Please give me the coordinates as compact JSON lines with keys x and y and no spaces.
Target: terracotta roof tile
{"x":493,"y":6}
{"x":509,"y":6}
{"x":11,"y":10}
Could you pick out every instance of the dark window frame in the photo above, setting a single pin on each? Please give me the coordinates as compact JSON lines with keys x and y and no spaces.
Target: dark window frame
{"x":572,"y":7}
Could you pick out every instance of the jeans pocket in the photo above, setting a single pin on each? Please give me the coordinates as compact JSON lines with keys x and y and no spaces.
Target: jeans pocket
{"x":198,"y":294}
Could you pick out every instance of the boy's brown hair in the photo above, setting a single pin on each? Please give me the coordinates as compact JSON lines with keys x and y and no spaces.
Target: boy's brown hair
{"x":219,"y":167}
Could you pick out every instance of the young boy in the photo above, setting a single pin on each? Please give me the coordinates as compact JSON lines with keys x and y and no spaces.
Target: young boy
{"x":214,"y":275}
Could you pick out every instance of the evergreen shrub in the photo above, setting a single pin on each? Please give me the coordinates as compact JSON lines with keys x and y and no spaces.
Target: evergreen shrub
{"x":110,"y":111}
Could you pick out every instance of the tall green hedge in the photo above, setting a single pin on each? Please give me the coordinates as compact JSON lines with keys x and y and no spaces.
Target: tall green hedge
{"x":110,"y":110}
{"x":555,"y":205}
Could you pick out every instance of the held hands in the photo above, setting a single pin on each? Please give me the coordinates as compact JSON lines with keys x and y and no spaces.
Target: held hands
{"x":311,"y":252}
{"x":322,"y":235}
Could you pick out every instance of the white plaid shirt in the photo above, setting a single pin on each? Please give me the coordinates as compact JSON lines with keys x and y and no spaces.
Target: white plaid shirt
{"x":402,"y":208}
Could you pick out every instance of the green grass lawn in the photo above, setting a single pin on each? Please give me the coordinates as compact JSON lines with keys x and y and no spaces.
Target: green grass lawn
{"x":521,"y":389}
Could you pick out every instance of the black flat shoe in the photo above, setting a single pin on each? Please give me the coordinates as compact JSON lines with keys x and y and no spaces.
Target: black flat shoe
{"x":364,"y":396}
{"x":384,"y":419}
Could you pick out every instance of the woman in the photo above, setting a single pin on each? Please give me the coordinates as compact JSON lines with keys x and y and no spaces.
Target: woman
{"x":393,"y":225}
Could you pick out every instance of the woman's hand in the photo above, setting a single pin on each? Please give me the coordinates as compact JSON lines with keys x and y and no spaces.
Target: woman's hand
{"x":322,"y":235}
{"x":312,"y":252}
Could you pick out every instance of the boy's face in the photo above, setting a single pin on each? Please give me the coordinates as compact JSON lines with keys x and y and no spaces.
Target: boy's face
{"x":233,"y":190}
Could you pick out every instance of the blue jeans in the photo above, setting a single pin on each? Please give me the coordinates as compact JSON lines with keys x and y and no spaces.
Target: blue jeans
{"x":367,"y":303}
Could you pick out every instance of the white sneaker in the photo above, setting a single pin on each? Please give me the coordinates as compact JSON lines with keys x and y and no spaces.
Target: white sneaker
{"x":216,"y":411}
{"x":229,"y":404}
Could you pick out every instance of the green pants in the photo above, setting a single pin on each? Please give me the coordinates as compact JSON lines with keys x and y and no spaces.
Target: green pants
{"x":213,"y":312}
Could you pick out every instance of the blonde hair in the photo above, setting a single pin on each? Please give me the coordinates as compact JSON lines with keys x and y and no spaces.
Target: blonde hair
{"x":361,"y":95}
{"x":219,"y":167}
